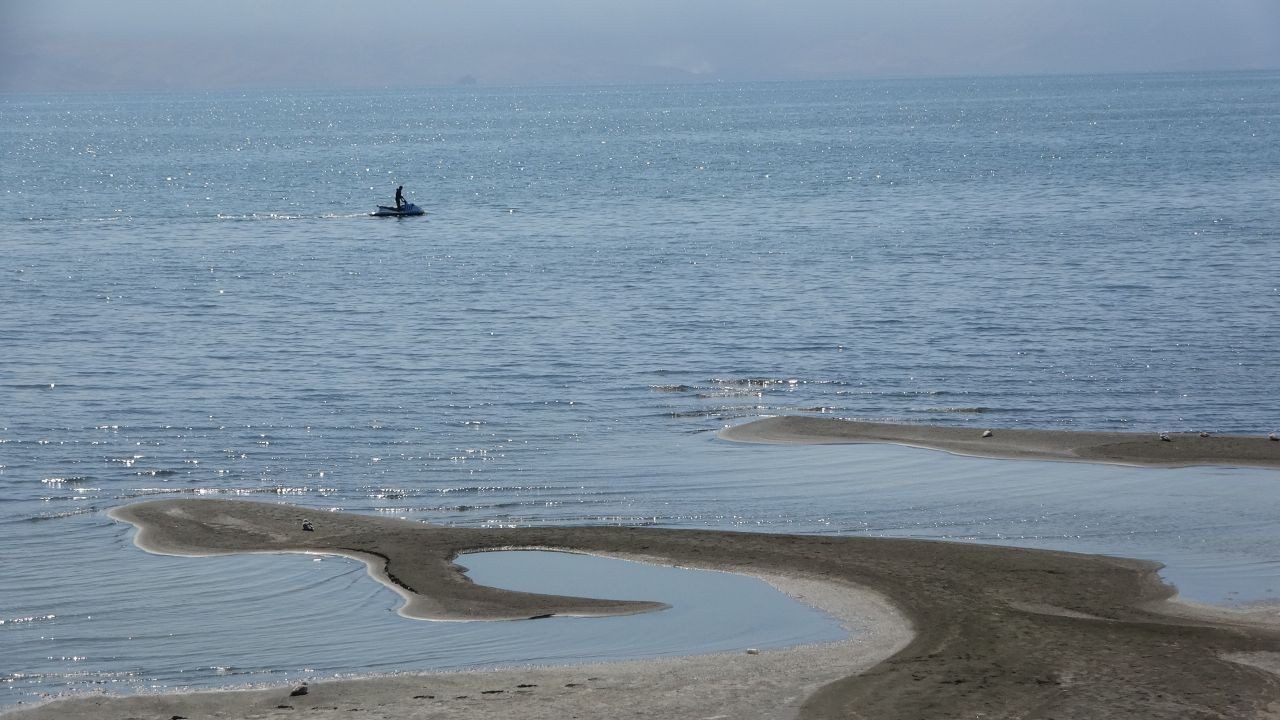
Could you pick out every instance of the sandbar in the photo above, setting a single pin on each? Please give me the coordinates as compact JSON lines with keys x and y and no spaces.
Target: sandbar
{"x":942,"y":630}
{"x":1169,"y":449}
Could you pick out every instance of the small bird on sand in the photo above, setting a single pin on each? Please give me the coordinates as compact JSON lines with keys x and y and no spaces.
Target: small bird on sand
{"x":1165,"y":437}
{"x":306,"y":525}
{"x":986,"y":433}
{"x":1273,"y":436}
{"x":1204,"y":434}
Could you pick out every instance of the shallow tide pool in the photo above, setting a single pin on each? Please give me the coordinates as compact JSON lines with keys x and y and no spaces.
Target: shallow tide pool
{"x":263,"y":619}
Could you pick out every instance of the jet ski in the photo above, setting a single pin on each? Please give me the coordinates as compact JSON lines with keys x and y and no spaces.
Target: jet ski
{"x":405,"y":210}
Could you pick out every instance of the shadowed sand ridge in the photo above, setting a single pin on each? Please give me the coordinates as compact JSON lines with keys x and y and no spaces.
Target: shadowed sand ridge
{"x":1127,"y":448}
{"x":999,"y":632}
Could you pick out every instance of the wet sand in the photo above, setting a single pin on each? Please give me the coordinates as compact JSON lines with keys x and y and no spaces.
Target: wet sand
{"x":947,"y":630}
{"x":1160,"y":449}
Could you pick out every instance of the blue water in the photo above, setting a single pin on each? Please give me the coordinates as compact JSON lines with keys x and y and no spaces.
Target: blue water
{"x":715,"y":610}
{"x":193,"y":302}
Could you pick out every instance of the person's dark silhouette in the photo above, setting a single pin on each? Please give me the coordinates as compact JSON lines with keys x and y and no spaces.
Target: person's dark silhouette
{"x":399,"y":196}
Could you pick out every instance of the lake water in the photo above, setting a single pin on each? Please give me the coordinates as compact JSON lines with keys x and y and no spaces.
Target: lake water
{"x":193,"y":302}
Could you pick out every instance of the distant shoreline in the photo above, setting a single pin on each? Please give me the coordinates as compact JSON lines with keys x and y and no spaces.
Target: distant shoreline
{"x":1123,"y":448}
{"x":994,"y":627}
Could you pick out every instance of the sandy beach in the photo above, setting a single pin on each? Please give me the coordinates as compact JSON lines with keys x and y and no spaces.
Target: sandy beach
{"x":1170,"y":449}
{"x":939,"y":630}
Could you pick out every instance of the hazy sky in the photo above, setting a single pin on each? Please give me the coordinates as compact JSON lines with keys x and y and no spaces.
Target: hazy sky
{"x":148,"y":44}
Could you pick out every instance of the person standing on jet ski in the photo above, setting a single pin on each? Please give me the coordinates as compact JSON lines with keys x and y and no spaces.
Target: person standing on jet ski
{"x":399,"y":197}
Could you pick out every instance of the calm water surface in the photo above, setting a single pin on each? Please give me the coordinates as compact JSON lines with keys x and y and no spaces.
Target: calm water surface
{"x":194,"y":303}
